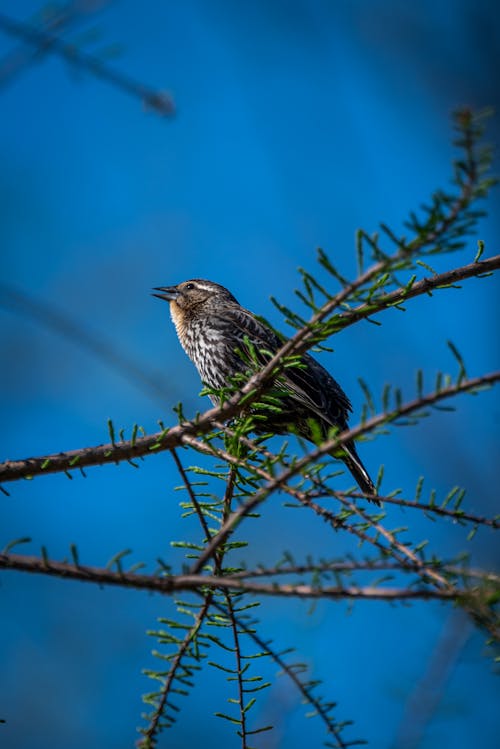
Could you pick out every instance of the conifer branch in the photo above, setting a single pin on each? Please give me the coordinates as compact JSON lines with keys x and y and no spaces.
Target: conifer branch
{"x":170,"y":584}
{"x":383,"y":418}
{"x":445,"y":280}
{"x":321,"y":490}
{"x":251,"y":473}
{"x":167,"y":439}
{"x":149,"y":734}
{"x":456,"y":514}
{"x":306,"y":688}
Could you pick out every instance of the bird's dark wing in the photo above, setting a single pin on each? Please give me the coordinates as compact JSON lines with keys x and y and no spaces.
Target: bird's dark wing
{"x":310,"y":385}
{"x":325,"y":395}
{"x":308,"y":392}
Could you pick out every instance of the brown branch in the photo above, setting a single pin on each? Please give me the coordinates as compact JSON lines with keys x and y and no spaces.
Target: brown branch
{"x":11,"y":470}
{"x":127,"y":450}
{"x":343,"y":567}
{"x":423,"y":569}
{"x":404,"y":556}
{"x":273,"y":483}
{"x":410,"y":563}
{"x":157,"y":100}
{"x":458,"y":515}
{"x":173,"y":583}
{"x":479,"y":609}
{"x":281,"y":481}
{"x":321,"y":491}
{"x":444,"y":280}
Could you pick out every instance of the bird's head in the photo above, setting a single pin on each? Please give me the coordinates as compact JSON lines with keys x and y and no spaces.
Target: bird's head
{"x":192,"y":297}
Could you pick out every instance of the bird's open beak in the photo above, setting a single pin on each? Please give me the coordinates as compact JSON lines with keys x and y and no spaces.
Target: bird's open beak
{"x":169,"y":293}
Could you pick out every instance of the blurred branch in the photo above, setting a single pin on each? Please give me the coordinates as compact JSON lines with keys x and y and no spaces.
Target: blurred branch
{"x":425,"y":697}
{"x":159,"y":101}
{"x":53,"y":18}
{"x":49,"y":316}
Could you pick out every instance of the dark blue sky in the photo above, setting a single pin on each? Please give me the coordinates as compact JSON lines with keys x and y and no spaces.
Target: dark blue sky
{"x":298,"y":122}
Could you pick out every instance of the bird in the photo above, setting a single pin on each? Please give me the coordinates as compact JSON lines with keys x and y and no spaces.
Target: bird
{"x":224,"y":340}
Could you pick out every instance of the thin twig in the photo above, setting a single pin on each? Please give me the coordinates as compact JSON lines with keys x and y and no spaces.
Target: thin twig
{"x":424,"y":570}
{"x":321,"y":491}
{"x":192,"y":495}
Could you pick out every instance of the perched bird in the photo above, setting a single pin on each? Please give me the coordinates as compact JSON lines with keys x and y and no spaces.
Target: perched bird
{"x":215,"y":332}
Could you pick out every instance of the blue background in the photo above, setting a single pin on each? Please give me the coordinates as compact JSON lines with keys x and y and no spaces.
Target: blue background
{"x":297,"y":123}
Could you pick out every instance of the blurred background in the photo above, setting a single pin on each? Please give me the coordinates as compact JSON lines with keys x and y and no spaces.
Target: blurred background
{"x":296,"y":123}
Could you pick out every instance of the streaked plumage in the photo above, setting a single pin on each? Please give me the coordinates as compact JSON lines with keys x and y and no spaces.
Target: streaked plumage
{"x":214,"y":331}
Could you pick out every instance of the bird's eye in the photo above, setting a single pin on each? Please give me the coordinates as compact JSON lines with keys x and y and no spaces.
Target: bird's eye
{"x":189,"y":286}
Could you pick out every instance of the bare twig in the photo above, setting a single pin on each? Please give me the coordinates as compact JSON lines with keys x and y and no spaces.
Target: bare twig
{"x":424,"y":570}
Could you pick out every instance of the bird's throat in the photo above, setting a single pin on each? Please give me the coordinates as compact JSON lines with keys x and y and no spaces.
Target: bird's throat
{"x":179,"y":320}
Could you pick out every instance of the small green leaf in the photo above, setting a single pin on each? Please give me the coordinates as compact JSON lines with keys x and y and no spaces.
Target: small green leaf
{"x":111,"y":430}
{"x":16,"y":542}
{"x":480,"y":250}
